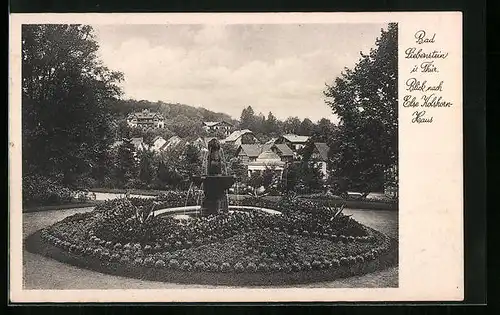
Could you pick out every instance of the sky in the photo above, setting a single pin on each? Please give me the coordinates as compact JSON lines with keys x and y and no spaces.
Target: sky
{"x":282,"y":68}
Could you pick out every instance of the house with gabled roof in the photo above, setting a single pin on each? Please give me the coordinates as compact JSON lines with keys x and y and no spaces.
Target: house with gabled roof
{"x":267,"y":159}
{"x":250,"y":152}
{"x":320,"y":156}
{"x":223,"y":127}
{"x":146,"y":120}
{"x":239,"y":137}
{"x":294,"y":142}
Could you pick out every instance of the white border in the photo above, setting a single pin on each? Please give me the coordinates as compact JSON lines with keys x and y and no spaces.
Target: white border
{"x":430,"y":172}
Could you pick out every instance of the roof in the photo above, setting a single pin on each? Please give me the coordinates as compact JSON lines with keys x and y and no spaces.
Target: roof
{"x":268,"y":155}
{"x":322,"y":150}
{"x":253,"y":150}
{"x":236,"y":134}
{"x":145,"y":114}
{"x":137,"y":142}
{"x":214,"y":123}
{"x":295,"y":138}
{"x":284,"y":149}
{"x":271,"y":141}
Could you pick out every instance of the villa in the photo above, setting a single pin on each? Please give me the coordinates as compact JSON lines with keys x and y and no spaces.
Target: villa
{"x":146,"y":120}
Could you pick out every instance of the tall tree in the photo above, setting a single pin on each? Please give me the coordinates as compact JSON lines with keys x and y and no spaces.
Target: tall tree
{"x":146,"y":167}
{"x":271,"y":126}
{"x":65,"y":91}
{"x":365,"y":100}
{"x":292,"y":125}
{"x":126,"y":164}
{"x":247,"y":119}
{"x":306,"y":127}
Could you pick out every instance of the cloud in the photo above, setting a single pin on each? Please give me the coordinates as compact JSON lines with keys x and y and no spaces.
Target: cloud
{"x":208,"y":66}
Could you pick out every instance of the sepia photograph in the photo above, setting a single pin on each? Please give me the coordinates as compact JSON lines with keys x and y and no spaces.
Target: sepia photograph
{"x":209,"y":156}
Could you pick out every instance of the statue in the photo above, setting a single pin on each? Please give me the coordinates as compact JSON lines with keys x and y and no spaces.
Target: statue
{"x":214,"y":183}
{"x":214,"y":158}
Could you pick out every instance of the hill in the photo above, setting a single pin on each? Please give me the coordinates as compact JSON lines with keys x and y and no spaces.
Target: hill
{"x":182,"y":120}
{"x":121,"y":108}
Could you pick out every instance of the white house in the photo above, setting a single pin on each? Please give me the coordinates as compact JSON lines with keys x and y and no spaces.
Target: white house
{"x":240,"y":137}
{"x":218,"y":126}
{"x":146,"y":120}
{"x":265,"y":160}
{"x":295,"y":142}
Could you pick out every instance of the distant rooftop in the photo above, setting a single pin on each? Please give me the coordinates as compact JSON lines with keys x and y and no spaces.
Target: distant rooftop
{"x":295,"y":138}
{"x":236,"y":134}
{"x":214,"y":123}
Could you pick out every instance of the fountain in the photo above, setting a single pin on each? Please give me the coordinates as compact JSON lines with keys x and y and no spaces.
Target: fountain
{"x":214,"y":183}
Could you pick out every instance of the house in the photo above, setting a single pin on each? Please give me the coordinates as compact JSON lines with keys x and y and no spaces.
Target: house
{"x":240,"y":137}
{"x":146,"y":120}
{"x":294,"y":142}
{"x":160,"y":144}
{"x":138,"y":144}
{"x":267,"y":160}
{"x":213,"y":127}
{"x":250,"y":152}
{"x":320,"y":156}
{"x":271,"y":141}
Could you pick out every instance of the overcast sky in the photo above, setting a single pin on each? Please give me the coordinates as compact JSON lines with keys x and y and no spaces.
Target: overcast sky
{"x":278,"y":68}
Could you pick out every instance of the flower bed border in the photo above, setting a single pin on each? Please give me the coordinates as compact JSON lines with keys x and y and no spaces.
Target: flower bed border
{"x":35,"y":243}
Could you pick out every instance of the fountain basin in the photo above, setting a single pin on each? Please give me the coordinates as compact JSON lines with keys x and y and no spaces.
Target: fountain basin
{"x":196,"y":210}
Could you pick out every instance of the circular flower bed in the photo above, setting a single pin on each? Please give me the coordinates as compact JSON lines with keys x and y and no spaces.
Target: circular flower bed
{"x":307,"y":242}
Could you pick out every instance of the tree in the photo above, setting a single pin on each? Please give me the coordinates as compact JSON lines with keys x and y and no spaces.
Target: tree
{"x":238,"y":169}
{"x":247,"y":119}
{"x":271,"y":126}
{"x":324,"y":131}
{"x":191,"y":161}
{"x":292,"y":125}
{"x":365,"y":100}
{"x":268,"y":177}
{"x":146,"y":167}
{"x":306,"y":127}
{"x":126,"y":165}
{"x":65,"y":92}
{"x":255,"y":180}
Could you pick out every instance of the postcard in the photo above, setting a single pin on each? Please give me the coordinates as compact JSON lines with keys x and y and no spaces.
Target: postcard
{"x":236,"y":157}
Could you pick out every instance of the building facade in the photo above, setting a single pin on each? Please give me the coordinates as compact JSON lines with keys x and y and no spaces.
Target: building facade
{"x":218,"y":127}
{"x":294,"y":142}
{"x":146,"y":120}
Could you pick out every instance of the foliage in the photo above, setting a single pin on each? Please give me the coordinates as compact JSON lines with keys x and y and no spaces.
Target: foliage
{"x":146,"y":167}
{"x":65,"y":92}
{"x":365,"y":100}
{"x":182,"y":120}
{"x":126,"y":165}
{"x":307,"y":237}
{"x":39,"y":190}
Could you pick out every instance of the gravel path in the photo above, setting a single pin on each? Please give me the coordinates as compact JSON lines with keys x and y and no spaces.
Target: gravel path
{"x":40,"y":272}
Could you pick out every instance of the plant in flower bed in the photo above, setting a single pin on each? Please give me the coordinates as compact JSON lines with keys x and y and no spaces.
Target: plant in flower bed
{"x":305,"y":237}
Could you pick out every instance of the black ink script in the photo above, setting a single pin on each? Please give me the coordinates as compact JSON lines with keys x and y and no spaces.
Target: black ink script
{"x":413,"y":53}
{"x":412,"y":84}
{"x":421,"y":37}
{"x":419,"y":117}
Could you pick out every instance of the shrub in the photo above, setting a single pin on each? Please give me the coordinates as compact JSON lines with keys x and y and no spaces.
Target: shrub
{"x":174,"y":264}
{"x":160,"y":264}
{"x":43,"y":191}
